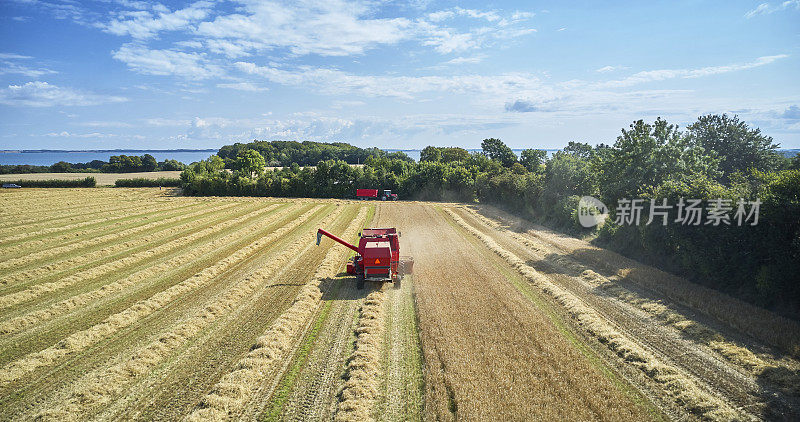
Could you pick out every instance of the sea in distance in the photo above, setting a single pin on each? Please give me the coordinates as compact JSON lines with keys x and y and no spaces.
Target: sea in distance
{"x":187,"y":156}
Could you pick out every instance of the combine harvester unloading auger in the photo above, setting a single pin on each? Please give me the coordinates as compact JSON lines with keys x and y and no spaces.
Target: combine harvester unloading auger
{"x":377,"y":256}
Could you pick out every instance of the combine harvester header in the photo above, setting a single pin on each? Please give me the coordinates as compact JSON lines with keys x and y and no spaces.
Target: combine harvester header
{"x":377,"y":256}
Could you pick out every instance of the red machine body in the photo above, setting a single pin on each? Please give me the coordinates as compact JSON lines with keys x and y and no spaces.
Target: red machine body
{"x":387,"y":194}
{"x":367,"y":193}
{"x":377,"y":254}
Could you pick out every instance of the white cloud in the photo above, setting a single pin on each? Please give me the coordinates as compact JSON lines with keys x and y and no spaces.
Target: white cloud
{"x":334,"y":81}
{"x":12,"y":56}
{"x":162,"y":122}
{"x":440,"y":15}
{"x":243,"y":86}
{"x":473,"y":59}
{"x":660,"y":75}
{"x":105,"y":124}
{"x":143,"y":24}
{"x":9,"y":66}
{"x":42,"y":94}
{"x":166,"y":62}
{"x":606,"y":69}
{"x":330,"y":28}
{"x":518,"y":16}
{"x":13,"y":68}
{"x":766,"y":8}
{"x":65,"y":134}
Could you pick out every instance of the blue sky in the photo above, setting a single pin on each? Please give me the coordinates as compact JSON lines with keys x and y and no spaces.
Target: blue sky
{"x":133,"y":74}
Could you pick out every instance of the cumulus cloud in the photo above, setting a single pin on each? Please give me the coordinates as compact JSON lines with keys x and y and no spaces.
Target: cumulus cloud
{"x":332,"y":128}
{"x":166,"y":62}
{"x":331,"y":28}
{"x":521,"y":106}
{"x":42,"y":94}
{"x":792,"y":113}
{"x":334,"y":81}
{"x":143,"y":24}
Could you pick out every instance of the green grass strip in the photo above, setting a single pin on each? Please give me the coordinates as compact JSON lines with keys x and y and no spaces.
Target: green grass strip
{"x":284,"y":389}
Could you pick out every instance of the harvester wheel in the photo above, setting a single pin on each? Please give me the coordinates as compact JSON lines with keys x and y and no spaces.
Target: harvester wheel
{"x":360,"y":281}
{"x":397,"y":282}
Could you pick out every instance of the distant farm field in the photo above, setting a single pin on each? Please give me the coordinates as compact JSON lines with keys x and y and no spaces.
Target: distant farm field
{"x":137,"y":304}
{"x":103,"y":179}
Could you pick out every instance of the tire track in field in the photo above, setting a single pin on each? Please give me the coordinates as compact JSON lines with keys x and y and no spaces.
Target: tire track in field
{"x":114,"y":240}
{"x":232,"y":393}
{"x":182,"y":383}
{"x":684,"y":388}
{"x":83,"y":339}
{"x":14,"y":252}
{"x":37,"y":290}
{"x":361,"y":390}
{"x":312,"y":393}
{"x":153,"y":273}
{"x":491,"y":354}
{"x":98,"y":389}
{"x":401,"y":398}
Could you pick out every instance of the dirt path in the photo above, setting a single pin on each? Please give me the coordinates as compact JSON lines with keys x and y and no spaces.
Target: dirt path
{"x":489,"y":353}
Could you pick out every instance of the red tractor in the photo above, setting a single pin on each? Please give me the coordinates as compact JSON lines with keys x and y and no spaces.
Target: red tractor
{"x":377,"y":256}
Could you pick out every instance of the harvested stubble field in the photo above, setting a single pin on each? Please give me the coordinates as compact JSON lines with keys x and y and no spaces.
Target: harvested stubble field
{"x":137,"y":304}
{"x":103,"y":179}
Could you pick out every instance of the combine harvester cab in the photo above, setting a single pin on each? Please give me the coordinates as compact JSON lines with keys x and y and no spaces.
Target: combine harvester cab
{"x":377,"y":256}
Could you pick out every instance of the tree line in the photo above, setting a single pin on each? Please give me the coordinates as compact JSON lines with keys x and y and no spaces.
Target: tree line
{"x":115,"y":164}
{"x":717,"y":158}
{"x":286,"y":153}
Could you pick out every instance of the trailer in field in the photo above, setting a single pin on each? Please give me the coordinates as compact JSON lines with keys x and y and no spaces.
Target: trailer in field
{"x":367,"y":193}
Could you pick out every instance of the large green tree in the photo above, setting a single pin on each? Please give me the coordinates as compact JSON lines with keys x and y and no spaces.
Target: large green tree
{"x":645,"y":156}
{"x":250,"y":162}
{"x":532,"y":159}
{"x":739,"y":147}
{"x":498,"y":151}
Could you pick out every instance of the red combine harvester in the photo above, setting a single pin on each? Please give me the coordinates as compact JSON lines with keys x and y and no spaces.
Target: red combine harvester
{"x":377,"y":256}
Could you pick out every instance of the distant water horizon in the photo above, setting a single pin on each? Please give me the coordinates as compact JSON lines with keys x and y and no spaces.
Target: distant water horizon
{"x":47,"y":157}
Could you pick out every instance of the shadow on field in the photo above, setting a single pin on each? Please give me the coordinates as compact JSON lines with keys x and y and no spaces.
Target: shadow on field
{"x":343,"y":287}
{"x":779,"y":403}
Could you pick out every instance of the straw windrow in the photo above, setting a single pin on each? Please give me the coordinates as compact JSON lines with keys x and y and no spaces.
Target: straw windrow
{"x":236,"y":388}
{"x":682,"y":388}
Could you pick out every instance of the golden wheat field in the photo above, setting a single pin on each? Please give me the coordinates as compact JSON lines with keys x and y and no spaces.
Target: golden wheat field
{"x":140,"y":304}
